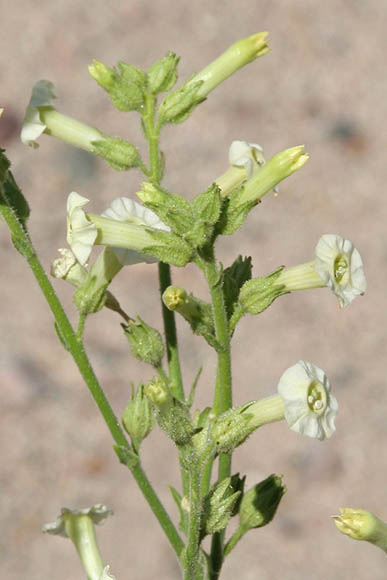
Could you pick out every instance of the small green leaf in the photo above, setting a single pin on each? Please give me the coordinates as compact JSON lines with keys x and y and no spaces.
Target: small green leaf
{"x":10,"y":194}
{"x":169,"y":248}
{"x":233,"y":279}
{"x":183,"y":523}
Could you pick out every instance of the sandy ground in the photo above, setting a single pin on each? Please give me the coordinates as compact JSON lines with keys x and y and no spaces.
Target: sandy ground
{"x":323,"y":84}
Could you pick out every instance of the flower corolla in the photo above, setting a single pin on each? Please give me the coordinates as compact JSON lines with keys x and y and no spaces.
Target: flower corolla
{"x":310,"y":408}
{"x":339,"y":265}
{"x":43,"y":95}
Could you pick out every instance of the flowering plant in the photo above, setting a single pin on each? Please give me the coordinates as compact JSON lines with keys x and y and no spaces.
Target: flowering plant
{"x":169,"y":230}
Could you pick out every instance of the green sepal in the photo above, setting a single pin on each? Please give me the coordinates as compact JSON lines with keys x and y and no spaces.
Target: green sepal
{"x":231,"y":429}
{"x":118,"y":153}
{"x":145,"y":342}
{"x":162,"y":75}
{"x":218,"y":507}
{"x":125,"y":86}
{"x":169,"y":248}
{"x":233,"y":279}
{"x":207,"y":205}
{"x":172,"y":209}
{"x":259,"y":504}
{"x":10,"y":194}
{"x":234,"y":213}
{"x":177,"y":498}
{"x":172,"y":415}
{"x":177,"y":106}
{"x":237,"y":483}
{"x":126,"y":456}
{"x":88,"y":299}
{"x":138,"y":417}
{"x":258,"y":293}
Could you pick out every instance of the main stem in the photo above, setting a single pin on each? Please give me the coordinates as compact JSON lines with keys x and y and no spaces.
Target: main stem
{"x":223,"y":392}
{"x":155,"y":176}
{"x":75,"y":347}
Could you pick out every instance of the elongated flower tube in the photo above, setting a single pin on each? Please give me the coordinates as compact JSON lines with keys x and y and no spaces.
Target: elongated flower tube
{"x":362,"y":525}
{"x":41,"y":117}
{"x":84,"y":230}
{"x":78,"y":525}
{"x":126,"y":210}
{"x":235,"y":57}
{"x":337,"y":265}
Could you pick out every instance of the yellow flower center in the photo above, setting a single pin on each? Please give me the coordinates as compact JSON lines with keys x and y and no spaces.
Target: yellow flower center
{"x":317,"y":397}
{"x":341,"y":268}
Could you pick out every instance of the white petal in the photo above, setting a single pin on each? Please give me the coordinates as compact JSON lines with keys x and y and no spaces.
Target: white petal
{"x":61,"y":266}
{"x":43,"y":95}
{"x":125,"y":209}
{"x":98,"y":513}
{"x":243,"y":154}
{"x":81,"y":233}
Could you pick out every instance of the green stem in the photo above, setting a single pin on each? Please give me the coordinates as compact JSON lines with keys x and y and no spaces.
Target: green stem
{"x":23,"y":244}
{"x":240,"y":532}
{"x":152,"y":134}
{"x":191,"y":555}
{"x":223,"y":391}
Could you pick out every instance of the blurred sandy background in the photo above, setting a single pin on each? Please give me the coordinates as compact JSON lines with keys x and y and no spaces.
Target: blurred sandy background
{"x":322,"y":84}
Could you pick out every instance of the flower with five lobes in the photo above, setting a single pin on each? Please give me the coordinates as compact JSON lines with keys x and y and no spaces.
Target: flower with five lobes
{"x":337,"y":265}
{"x":304,"y":400}
{"x":310,"y":408}
{"x":123,"y":226}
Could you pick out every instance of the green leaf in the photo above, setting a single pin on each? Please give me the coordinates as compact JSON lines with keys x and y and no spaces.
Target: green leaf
{"x":233,"y":279}
{"x":183,"y":523}
{"x":177,"y":106}
{"x":169,"y":248}
{"x":234,"y":213}
{"x":10,"y":193}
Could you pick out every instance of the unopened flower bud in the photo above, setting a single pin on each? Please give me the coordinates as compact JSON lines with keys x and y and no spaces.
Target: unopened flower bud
{"x":271,"y":173}
{"x":138,"y":418}
{"x":259,"y":504}
{"x":362,"y":525}
{"x":163,"y":74}
{"x":145,"y":342}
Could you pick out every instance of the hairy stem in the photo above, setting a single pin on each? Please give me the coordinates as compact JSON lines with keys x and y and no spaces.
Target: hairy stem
{"x":69,"y":338}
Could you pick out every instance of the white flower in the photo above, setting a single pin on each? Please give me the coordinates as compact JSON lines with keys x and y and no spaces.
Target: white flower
{"x":98,"y":514}
{"x":340,"y":266}
{"x":243,"y":154}
{"x":310,"y":409}
{"x":106,"y":574}
{"x":126,"y":210}
{"x":43,"y":95}
{"x":81,"y":232}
